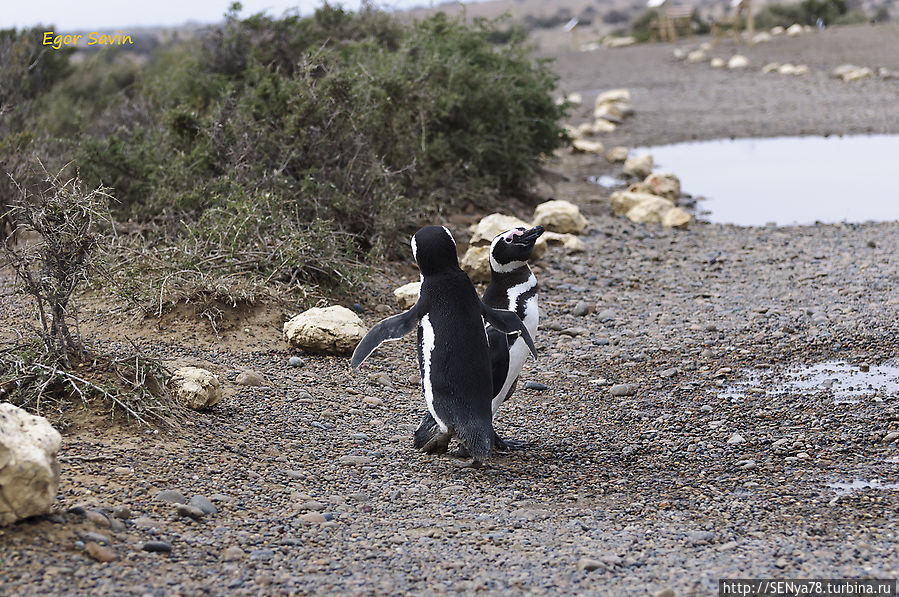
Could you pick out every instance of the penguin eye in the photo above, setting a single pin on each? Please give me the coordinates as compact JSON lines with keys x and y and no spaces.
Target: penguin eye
{"x":508,"y":240}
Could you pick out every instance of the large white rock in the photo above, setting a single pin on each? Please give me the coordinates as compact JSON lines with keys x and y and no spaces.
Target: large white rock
{"x":639,"y":166}
{"x":611,"y":96}
{"x":675,"y":218}
{"x":328,"y":330}
{"x":486,"y":230}
{"x":716,"y":62}
{"x":761,"y":37}
{"x":696,"y":56}
{"x":611,"y":109}
{"x":602,"y":126}
{"x":664,"y":184}
{"x":196,"y":388}
{"x":619,"y":42}
{"x":569,"y":242}
{"x":476,"y":263}
{"x":794,"y":30}
{"x":777,"y":30}
{"x":560,"y":216}
{"x":586,"y":146}
{"x":407,"y":294}
{"x":617,"y":154}
{"x":29,"y":470}
{"x":737,"y":61}
{"x":771,"y":67}
{"x":649,"y":211}
{"x":623,"y":201}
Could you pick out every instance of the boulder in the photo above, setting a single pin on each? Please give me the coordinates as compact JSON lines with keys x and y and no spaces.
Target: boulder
{"x":569,"y":242}
{"x":602,"y":126}
{"x":29,"y":470}
{"x":329,"y":330}
{"x":664,"y":184}
{"x":612,"y":96}
{"x":585,"y":146}
{"x":639,"y":166}
{"x":770,"y":67}
{"x":560,"y":216}
{"x":617,"y":154}
{"x":407,"y":294}
{"x":490,"y":226}
{"x":716,"y":62}
{"x":196,"y":388}
{"x":476,"y":263}
{"x":696,"y":56}
{"x":649,"y":211}
{"x":675,"y":218}
{"x":794,"y":30}
{"x":623,"y":201}
{"x":737,"y":61}
{"x":776,"y":30}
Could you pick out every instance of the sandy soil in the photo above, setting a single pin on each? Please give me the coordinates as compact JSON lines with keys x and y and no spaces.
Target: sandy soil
{"x":673,"y":486}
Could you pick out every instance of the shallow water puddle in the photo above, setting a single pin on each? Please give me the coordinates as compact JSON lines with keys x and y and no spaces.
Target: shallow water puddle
{"x":604,"y":180}
{"x":787,"y":180}
{"x":848,"y":383}
{"x":845,"y":488}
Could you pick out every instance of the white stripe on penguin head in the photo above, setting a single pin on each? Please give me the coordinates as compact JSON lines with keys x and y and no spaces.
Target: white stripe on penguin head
{"x":450,"y":234}
{"x":414,"y":249}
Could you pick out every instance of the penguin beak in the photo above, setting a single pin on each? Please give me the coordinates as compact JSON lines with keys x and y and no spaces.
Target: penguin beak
{"x":528,"y":237}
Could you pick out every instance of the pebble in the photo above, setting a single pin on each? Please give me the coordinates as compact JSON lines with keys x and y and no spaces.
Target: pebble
{"x":262,"y":554}
{"x":588,"y":564}
{"x":623,"y":389}
{"x":700,"y":537}
{"x":314,"y":517}
{"x":357,"y":460}
{"x":96,"y":537}
{"x":296,"y":362}
{"x":581,"y":309}
{"x":157,"y":546}
{"x":372,"y":401}
{"x":606,"y":315}
{"x":122,"y":471}
{"x":101,"y":553}
{"x":535,"y":385}
{"x":172,"y":496}
{"x":747,"y":465}
{"x":188,"y":511}
{"x":98,"y":518}
{"x":736,"y":438}
{"x":313,"y":505}
{"x":706,"y":408}
{"x":232,"y":553}
{"x":145,"y":522}
{"x":250,"y":378}
{"x":204,"y":504}
{"x":668,"y":592}
{"x":891,"y":436}
{"x":123,"y":512}
{"x":666,"y":373}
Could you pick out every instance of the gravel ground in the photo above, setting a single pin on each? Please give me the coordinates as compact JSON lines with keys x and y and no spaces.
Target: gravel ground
{"x":641,"y":470}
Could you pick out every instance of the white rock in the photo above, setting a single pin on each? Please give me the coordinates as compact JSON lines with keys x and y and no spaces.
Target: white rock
{"x":696,"y":56}
{"x":29,"y":470}
{"x":617,"y":154}
{"x":587,"y":146}
{"x":602,"y":126}
{"x":476,"y":263}
{"x":675,"y":218}
{"x":490,"y":226}
{"x":407,"y":294}
{"x":575,"y":99}
{"x":716,"y":62}
{"x":663,"y":184}
{"x":705,"y":46}
{"x":736,"y":438}
{"x":569,"y":242}
{"x":649,"y":211}
{"x":770,"y":67}
{"x":680,"y":53}
{"x":761,"y":38}
{"x":859,"y":73}
{"x":572,"y":131}
{"x":801,"y":69}
{"x":737,"y":61}
{"x":639,"y":166}
{"x":329,"y":330}
{"x":618,"y":42}
{"x":794,"y":30}
{"x":623,"y":201}
{"x":612,"y":96}
{"x":196,"y":388}
{"x":560,"y":216}
{"x":843,"y":70}
{"x":585,"y":129}
{"x":778,"y":30}
{"x":608,"y":109}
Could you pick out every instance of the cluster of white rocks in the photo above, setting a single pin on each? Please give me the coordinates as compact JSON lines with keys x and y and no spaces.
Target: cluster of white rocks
{"x":610,"y":109}
{"x":652,"y":200}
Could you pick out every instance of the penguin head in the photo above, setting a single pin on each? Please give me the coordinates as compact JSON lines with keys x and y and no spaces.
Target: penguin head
{"x":511,"y":249}
{"x":434,"y":250}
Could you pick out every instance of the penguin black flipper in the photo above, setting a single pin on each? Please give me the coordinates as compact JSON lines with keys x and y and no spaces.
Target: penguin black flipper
{"x":499,"y":343}
{"x":392,"y":328}
{"x":509,"y":323}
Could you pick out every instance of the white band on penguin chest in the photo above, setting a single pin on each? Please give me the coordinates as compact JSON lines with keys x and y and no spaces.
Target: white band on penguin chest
{"x":427,"y":348}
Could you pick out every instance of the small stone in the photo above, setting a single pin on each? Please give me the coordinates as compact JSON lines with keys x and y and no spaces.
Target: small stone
{"x":172,"y":496}
{"x":157,"y":546}
{"x":581,"y":309}
{"x":736,"y":438}
{"x":668,"y":592}
{"x":606,"y":315}
{"x":296,"y":362}
{"x":706,"y":408}
{"x":122,"y":471}
{"x":747,"y":465}
{"x":666,"y":373}
{"x":623,"y":389}
{"x":700,"y":537}
{"x":232,"y":553}
{"x":100,"y":553}
{"x":263,"y":555}
{"x":145,"y":522}
{"x":372,"y":401}
{"x":891,"y":436}
{"x":188,"y":511}
{"x":96,"y":538}
{"x":250,"y":378}
{"x":313,"y":505}
{"x":98,"y":518}
{"x":203,"y":503}
{"x":316,"y":517}
{"x":356,"y":460}
{"x":588,"y":564}
{"x":535,"y":385}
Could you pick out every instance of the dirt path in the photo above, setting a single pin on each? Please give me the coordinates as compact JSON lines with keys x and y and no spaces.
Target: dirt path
{"x":674,"y":486}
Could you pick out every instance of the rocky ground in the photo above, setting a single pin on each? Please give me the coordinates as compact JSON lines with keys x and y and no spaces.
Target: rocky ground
{"x":640,"y":471}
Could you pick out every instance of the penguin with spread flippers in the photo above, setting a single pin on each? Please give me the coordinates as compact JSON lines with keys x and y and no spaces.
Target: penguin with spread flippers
{"x":453,"y":354}
{"x":513,"y":286}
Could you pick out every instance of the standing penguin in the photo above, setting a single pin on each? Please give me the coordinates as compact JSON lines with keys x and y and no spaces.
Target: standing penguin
{"x":453,"y":355}
{"x":513,"y":286}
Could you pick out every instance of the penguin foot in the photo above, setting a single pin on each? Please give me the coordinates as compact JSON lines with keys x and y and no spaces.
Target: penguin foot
{"x":501,"y":446}
{"x":475,"y":464}
{"x":428,"y":437}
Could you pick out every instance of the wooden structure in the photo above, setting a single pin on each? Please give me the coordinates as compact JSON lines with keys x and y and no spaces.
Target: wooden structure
{"x":671,"y":19}
{"x":732,"y":22}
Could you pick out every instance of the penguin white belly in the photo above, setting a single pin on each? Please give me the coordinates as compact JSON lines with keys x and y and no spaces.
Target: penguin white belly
{"x":518,"y":352}
{"x":427,"y":349}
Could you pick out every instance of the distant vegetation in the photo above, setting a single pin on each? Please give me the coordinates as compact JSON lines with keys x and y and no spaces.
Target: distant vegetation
{"x":279,"y":155}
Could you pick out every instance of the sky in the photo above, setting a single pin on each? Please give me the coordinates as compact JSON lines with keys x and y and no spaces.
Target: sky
{"x":119,"y":14}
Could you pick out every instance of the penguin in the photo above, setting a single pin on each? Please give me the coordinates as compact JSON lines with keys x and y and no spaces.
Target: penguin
{"x":453,"y":353}
{"x":513,"y":287}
